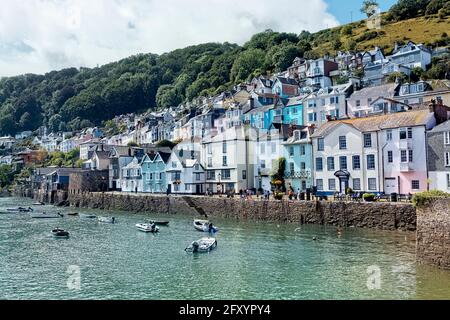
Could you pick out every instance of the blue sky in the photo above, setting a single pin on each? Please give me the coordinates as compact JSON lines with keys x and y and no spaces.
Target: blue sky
{"x":341,"y":8}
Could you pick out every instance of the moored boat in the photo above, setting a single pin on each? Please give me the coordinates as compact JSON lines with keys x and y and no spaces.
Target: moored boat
{"x":159,"y":223}
{"x":39,"y":204}
{"x":205,"y":226}
{"x":60,"y":233}
{"x":20,"y":209}
{"x":147,"y":227}
{"x":202,"y":245}
{"x":45,"y":215}
{"x":72,"y":214}
{"x":107,"y":219}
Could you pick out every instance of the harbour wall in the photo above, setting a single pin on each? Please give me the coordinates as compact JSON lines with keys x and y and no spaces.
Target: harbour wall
{"x":387,"y":216}
{"x":433,"y":233}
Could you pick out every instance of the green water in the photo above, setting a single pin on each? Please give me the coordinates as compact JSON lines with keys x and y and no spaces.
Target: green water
{"x":252,"y":261}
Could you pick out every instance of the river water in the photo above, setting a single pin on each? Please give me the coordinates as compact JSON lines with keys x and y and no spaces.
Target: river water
{"x":252,"y":261}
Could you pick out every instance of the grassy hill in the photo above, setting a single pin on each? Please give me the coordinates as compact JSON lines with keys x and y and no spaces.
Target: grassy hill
{"x":425,"y":29}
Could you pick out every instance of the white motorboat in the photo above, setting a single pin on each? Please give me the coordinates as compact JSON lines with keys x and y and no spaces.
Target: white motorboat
{"x":88,"y":216}
{"x":107,"y":219}
{"x":45,"y":215}
{"x":60,"y":233}
{"x":39,"y":204}
{"x":147,"y":227}
{"x":202,"y":245}
{"x":205,"y":226}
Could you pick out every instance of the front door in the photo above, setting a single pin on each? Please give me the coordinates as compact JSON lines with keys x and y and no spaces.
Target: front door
{"x":390,"y":185}
{"x":198,"y":189}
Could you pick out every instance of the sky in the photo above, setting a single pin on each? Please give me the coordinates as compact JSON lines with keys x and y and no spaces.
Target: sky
{"x":37,"y":36}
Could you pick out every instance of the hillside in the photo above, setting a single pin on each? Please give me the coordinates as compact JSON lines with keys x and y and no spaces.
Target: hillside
{"x":72,"y":99}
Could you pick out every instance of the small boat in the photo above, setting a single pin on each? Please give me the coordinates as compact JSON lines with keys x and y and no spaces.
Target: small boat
{"x":88,"y":216}
{"x":204,"y":226}
{"x":107,"y":219}
{"x":45,"y":215}
{"x":159,"y":223}
{"x":202,"y":245}
{"x":60,"y":233}
{"x":39,"y":204}
{"x":147,"y":227}
{"x":20,"y":209}
{"x":72,"y":214}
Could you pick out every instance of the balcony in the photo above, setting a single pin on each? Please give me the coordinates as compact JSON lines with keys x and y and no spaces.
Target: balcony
{"x":406,"y":167}
{"x":303,"y":174}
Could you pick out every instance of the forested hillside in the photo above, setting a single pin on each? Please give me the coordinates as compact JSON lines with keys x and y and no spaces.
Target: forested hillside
{"x":72,"y":99}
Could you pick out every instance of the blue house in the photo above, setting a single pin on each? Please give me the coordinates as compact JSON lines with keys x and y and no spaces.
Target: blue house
{"x":299,"y":159}
{"x":293,"y":112}
{"x":153,"y":168}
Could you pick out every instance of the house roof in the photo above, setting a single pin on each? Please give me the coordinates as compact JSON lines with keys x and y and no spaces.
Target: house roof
{"x":375,"y":123}
{"x":287,"y":81}
{"x":443,"y":127}
{"x":386,"y":90}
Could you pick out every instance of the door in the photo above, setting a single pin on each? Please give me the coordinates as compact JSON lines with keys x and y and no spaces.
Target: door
{"x":390,"y":185}
{"x":198,"y":189}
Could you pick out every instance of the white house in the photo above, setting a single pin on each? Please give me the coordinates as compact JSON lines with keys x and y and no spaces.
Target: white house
{"x":229,"y":160}
{"x":131,"y":177}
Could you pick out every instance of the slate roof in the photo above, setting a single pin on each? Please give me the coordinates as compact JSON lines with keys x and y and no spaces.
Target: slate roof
{"x":375,"y":123}
{"x":386,"y":90}
{"x":443,"y":127}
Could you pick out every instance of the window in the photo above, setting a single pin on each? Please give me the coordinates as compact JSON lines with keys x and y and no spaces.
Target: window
{"x":356,"y":162}
{"x":224,"y":161}
{"x":291,"y":168}
{"x":226,"y":174}
{"x":224,"y":147}
{"x":151,"y":176}
{"x":198,"y":176}
{"x":367,"y":140}
{"x":415,"y":185}
{"x":356,"y":184}
{"x":210,"y":162}
{"x":319,"y":164}
{"x":291,"y":152}
{"x":410,"y":155}
{"x":294,"y":110}
{"x":447,"y":138}
{"x":358,"y":103}
{"x":342,"y":142}
{"x":211,"y":175}
{"x":331,"y":184}
{"x":389,"y":135}
{"x":244,"y":174}
{"x":403,"y":134}
{"x":197,"y":167}
{"x":447,"y":159}
{"x":448,"y":180}
{"x":372,"y":184}
{"x":330,"y":163}
{"x":303,"y":165}
{"x":320,"y":144}
{"x":410,"y":133}
{"x":332,"y":100}
{"x":390,"y":156}
{"x":174,"y":164}
{"x":302,"y":150}
{"x":263,"y":164}
{"x":403,"y":156}
{"x":312,"y":117}
{"x":263,"y":148}
{"x":370,"y":162}
{"x":343,"y":163}
{"x":187,"y":187}
{"x":209,"y":148}
{"x":319,"y":184}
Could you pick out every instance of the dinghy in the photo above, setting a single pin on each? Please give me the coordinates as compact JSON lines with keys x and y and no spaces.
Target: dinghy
{"x":60,"y":233}
{"x":45,"y":215}
{"x":205,"y":226}
{"x":38,"y":204}
{"x":202,"y":245}
{"x":146,"y":227}
{"x":107,"y":219}
{"x":159,"y":223}
{"x":72,"y":214}
{"x":20,"y":209}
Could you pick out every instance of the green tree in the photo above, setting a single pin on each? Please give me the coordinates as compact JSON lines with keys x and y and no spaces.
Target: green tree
{"x":246,"y":63}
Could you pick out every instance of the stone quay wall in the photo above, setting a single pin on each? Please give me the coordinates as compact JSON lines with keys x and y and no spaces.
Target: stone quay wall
{"x":388,"y":216}
{"x":433,"y":233}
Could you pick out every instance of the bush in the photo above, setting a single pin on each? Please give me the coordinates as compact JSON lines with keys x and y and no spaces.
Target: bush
{"x":424,"y":198}
{"x":369,"y":197}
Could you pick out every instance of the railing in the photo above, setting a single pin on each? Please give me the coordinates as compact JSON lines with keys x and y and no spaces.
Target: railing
{"x":303,"y":174}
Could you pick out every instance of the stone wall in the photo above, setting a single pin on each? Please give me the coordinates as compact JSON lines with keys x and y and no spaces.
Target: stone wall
{"x":433,"y":233}
{"x":365,"y":215}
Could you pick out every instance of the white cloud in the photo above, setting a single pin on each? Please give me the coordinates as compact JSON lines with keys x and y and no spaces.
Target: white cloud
{"x":41,"y":35}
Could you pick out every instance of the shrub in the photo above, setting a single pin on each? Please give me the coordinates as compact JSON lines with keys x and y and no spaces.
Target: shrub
{"x":369,"y":197}
{"x":424,"y":198}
